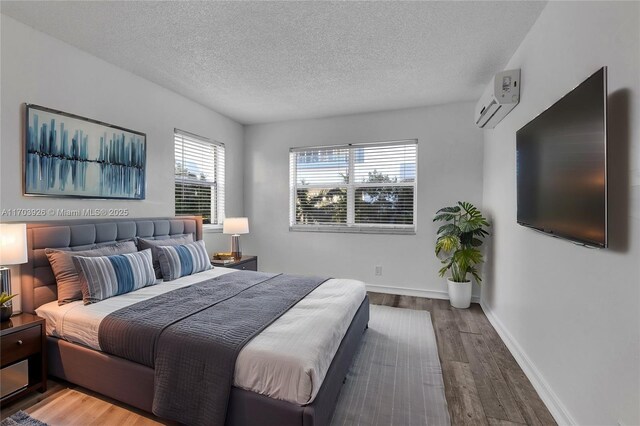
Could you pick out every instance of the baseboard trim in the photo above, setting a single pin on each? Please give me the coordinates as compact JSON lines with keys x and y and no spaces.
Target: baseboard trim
{"x":548,"y":396}
{"x":404,"y":291}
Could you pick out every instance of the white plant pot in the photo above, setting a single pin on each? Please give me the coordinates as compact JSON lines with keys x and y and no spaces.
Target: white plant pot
{"x":459,"y":294}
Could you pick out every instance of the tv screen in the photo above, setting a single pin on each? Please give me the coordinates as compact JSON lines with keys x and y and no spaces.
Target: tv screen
{"x":562,"y":166}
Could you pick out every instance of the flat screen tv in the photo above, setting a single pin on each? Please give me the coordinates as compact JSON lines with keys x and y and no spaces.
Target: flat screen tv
{"x":562,"y":166}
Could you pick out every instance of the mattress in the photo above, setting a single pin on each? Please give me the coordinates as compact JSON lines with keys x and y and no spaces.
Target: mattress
{"x":288,"y":360}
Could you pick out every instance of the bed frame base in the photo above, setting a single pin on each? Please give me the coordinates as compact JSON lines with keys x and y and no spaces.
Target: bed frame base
{"x":132,"y":383}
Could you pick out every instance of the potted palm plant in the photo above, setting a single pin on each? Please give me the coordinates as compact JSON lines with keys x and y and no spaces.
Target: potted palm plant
{"x":458,"y":248}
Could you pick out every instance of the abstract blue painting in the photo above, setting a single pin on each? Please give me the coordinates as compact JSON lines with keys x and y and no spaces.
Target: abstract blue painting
{"x":69,"y":155}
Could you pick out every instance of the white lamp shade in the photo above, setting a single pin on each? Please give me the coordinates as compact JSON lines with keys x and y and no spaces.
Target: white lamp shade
{"x":235,"y":225}
{"x":13,"y":243}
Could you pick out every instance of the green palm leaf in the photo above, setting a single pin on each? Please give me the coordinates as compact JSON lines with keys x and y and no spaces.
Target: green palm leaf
{"x":444,"y":270}
{"x":475,"y":242}
{"x":447,"y":243}
{"x":444,"y":216}
{"x":469,"y":225}
{"x":454,"y":209}
{"x":5,"y":297}
{"x":468,"y":255}
{"x":449,"y":229}
{"x":480,"y":232}
{"x":474,"y":272}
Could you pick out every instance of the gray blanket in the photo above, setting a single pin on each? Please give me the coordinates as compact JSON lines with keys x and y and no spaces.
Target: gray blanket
{"x":192,"y":336}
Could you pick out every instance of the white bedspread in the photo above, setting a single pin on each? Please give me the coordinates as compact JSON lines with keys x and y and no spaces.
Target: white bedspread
{"x":287,"y":361}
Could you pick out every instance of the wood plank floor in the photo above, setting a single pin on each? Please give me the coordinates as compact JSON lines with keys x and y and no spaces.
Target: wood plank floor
{"x":483,"y":383}
{"x":65,"y":404}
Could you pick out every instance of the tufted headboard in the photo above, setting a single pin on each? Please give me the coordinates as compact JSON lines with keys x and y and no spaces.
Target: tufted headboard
{"x":37,"y":280}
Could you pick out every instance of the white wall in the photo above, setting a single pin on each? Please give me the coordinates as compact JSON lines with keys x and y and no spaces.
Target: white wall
{"x":449,"y":169}
{"x":36,"y":68}
{"x":572,"y":314}
{"x":39,"y":69}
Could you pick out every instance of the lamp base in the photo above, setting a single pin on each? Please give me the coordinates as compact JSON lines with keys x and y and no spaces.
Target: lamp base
{"x":235,"y":247}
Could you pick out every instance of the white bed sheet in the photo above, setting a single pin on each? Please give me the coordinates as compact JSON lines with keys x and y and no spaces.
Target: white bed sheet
{"x":288,"y":360}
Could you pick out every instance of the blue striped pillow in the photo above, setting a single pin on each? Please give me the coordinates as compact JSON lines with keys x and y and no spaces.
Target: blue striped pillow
{"x":182,"y":260}
{"x":107,"y":276}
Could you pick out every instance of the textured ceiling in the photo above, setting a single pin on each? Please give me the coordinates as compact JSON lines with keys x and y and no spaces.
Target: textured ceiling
{"x":271,"y":61}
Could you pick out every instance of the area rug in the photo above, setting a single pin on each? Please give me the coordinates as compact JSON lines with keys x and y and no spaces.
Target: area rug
{"x":21,"y":419}
{"x":396,"y":378}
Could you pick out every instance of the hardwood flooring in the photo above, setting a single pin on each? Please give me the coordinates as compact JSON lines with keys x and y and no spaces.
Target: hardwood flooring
{"x":65,"y":404}
{"x":483,"y":383}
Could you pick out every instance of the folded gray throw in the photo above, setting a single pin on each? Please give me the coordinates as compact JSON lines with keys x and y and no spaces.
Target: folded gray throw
{"x":192,"y":337}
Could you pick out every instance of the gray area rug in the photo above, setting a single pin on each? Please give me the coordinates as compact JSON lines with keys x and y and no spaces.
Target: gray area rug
{"x":21,"y":419}
{"x":396,"y":378}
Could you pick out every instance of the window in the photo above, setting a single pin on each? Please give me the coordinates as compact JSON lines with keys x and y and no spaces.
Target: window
{"x":199,"y":177}
{"x":354,"y":188}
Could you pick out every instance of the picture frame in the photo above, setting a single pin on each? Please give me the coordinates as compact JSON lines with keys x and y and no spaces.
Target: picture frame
{"x":67,"y":155}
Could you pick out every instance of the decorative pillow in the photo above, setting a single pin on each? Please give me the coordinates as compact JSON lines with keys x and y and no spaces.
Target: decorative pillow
{"x":187,"y":259}
{"x":144,"y":244}
{"x":106,"y":276}
{"x":64,"y":270}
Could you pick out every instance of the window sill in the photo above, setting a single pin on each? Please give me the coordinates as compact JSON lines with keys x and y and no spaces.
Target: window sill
{"x":212,"y":229}
{"x":353,"y":229}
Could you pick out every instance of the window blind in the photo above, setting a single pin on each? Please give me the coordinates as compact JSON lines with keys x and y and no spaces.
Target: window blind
{"x":199,"y":177}
{"x":357,"y":187}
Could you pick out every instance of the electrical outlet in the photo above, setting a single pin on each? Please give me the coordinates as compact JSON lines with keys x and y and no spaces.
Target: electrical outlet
{"x":378,"y":270}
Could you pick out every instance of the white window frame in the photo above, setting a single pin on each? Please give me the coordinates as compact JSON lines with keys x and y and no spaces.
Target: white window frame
{"x":218,"y":188}
{"x":350,"y":226}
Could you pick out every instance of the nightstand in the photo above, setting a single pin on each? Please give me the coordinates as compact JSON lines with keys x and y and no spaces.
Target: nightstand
{"x":23,"y":364}
{"x":246,"y":263}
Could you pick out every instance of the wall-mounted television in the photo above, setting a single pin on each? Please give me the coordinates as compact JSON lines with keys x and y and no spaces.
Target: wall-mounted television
{"x":561,"y":166}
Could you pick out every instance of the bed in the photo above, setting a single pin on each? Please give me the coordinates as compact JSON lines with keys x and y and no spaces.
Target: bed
{"x":262,"y":393}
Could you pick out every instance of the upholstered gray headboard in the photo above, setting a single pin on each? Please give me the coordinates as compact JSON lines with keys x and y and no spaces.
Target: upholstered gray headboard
{"x":38,"y":283}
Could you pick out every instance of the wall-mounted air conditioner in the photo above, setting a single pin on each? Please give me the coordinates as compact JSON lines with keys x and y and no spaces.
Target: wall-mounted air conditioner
{"x":500,"y":97}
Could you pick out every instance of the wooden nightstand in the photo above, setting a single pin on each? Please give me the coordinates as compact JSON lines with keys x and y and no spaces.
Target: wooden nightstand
{"x":247,"y":263}
{"x":24,"y":355}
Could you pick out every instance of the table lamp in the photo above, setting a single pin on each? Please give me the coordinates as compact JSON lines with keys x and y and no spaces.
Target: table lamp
{"x":13,"y":251}
{"x":235,"y":226}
